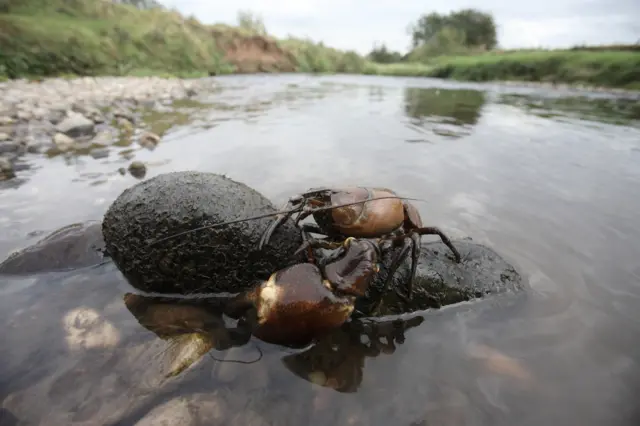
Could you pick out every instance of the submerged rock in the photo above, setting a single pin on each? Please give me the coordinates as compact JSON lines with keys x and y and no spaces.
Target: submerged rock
{"x":7,"y":170}
{"x":223,"y":259}
{"x":74,"y":246}
{"x":440,"y":281}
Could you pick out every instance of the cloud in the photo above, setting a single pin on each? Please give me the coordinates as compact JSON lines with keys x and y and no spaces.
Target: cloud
{"x":358,"y":24}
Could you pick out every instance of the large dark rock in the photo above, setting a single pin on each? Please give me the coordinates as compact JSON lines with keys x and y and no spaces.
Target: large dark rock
{"x":223,"y":259}
{"x":74,"y":246}
{"x":440,"y":281}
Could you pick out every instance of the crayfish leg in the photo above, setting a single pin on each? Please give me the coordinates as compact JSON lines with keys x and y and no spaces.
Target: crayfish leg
{"x":432,"y":230}
{"x":395,"y":264}
{"x":415,"y":257}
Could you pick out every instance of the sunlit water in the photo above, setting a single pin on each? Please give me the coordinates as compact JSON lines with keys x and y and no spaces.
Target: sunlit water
{"x":549,"y":180}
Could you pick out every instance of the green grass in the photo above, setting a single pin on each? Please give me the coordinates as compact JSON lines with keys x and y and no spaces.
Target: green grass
{"x":94,"y":37}
{"x":601,"y":68}
{"x":317,"y":58}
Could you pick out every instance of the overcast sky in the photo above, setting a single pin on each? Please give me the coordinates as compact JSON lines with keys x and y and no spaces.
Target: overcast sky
{"x":357,"y":24}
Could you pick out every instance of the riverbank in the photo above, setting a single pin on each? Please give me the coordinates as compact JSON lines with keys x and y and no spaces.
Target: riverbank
{"x":86,"y":116}
{"x":592,"y":69}
{"x":97,"y":38}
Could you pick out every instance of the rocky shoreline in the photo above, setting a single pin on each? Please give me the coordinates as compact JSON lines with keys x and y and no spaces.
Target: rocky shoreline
{"x":62,"y":116}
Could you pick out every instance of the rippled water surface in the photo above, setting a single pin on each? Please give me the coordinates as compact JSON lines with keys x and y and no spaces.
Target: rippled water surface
{"x":550,"y":180}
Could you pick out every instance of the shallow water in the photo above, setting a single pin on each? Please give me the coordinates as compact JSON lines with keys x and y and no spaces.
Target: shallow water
{"x":550,"y":180}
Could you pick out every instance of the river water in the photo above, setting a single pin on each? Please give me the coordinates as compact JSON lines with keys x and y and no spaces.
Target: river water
{"x":549,"y":179}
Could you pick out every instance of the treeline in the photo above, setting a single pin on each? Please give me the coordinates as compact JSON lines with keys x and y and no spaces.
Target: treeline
{"x":460,"y":33}
{"x":434,"y":34}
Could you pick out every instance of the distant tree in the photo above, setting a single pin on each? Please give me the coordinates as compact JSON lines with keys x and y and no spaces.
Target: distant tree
{"x":252,"y":22}
{"x":383,"y":55}
{"x":478,"y":29}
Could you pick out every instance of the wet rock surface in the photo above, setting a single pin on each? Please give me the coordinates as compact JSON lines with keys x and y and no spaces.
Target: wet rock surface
{"x":223,"y":259}
{"x":440,"y":281}
{"x":71,"y":247}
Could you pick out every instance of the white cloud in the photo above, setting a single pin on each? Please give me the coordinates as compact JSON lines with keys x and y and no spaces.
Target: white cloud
{"x":357,"y":24}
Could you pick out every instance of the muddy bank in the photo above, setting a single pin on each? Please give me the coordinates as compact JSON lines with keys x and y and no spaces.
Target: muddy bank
{"x":253,"y":53}
{"x":84,"y":116}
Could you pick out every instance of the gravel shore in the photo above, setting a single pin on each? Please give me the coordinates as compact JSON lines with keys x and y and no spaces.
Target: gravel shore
{"x":60,"y":116}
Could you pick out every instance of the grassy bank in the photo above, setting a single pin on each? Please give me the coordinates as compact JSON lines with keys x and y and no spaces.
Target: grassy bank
{"x":41,"y":38}
{"x":97,"y":37}
{"x":620,"y":69}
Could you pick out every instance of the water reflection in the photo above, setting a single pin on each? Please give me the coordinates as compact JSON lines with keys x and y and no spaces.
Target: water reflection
{"x":605,"y":110}
{"x":194,"y":327}
{"x":448,"y":113}
{"x":337,"y":361}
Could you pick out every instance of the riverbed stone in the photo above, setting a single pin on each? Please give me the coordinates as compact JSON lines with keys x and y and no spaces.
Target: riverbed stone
{"x":6,"y":169}
{"x":222,"y":259}
{"x":138,"y":169}
{"x":9,"y":147}
{"x":63,"y":142}
{"x":74,"y":246}
{"x":103,"y":138}
{"x":440,"y":281}
{"x":149,"y":139}
{"x":76,"y":125}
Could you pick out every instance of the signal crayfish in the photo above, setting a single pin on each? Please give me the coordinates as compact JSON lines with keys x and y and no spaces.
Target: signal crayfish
{"x":301,"y":302}
{"x":362,"y":212}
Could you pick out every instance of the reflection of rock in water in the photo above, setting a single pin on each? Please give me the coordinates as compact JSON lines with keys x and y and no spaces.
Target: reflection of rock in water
{"x":195,"y":326}
{"x":73,"y":246}
{"x":445,"y":112}
{"x":192,"y":327}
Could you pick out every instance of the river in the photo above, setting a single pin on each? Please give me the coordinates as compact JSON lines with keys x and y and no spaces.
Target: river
{"x":549,"y":179}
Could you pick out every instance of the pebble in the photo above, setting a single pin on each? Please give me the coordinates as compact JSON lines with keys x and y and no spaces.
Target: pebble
{"x":149,"y":139}
{"x":138,"y":169}
{"x":104,"y":138}
{"x":76,"y":125}
{"x":68,"y":114}
{"x":63,"y":142}
{"x":6,"y":169}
